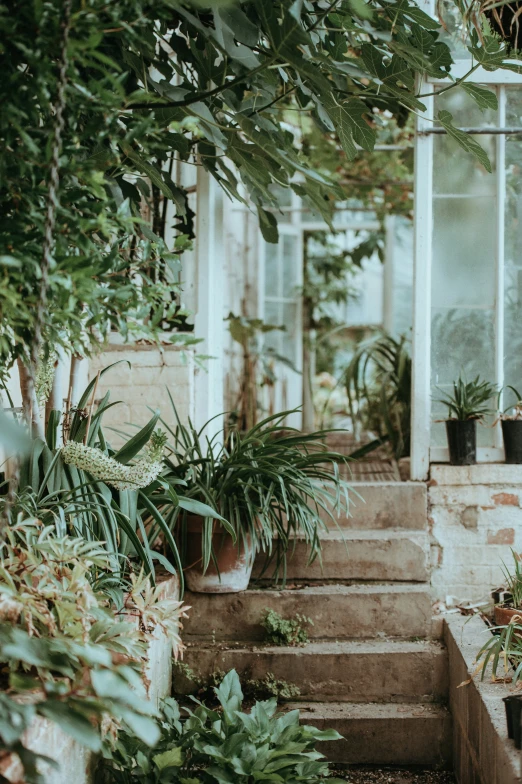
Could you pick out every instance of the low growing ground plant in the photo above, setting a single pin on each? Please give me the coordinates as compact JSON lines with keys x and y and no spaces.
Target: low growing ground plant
{"x":285,"y":631}
{"x":223,"y":746}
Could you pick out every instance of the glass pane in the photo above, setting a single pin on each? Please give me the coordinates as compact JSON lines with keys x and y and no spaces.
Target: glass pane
{"x":453,"y":34}
{"x":464,"y":255}
{"x":513,"y":329}
{"x":463,"y":341}
{"x":290,"y":264}
{"x":459,"y":172}
{"x":271,"y":269}
{"x":455,"y":171}
{"x":513,"y":247}
{"x":281,"y":194}
{"x":402,"y":253}
{"x":290,"y":333}
{"x":513,"y":107}
{"x":464,"y":110}
{"x":273,"y":316}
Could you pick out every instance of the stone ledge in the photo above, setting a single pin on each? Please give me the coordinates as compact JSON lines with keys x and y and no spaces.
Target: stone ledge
{"x":480,"y":474}
{"x":482,"y":752}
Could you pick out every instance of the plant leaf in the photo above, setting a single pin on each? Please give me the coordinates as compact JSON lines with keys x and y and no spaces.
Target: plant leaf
{"x":465,"y":140}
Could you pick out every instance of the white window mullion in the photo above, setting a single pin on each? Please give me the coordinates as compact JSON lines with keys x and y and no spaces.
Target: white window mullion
{"x":421,"y":344}
{"x":501,"y":192}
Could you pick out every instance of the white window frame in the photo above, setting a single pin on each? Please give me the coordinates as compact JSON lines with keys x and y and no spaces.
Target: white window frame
{"x":288,"y":391}
{"x":422,"y":453}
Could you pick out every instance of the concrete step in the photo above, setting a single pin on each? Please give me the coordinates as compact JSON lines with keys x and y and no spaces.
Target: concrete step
{"x":355,"y":671}
{"x":387,"y":505}
{"x":337,"y":611}
{"x":393,"y":734}
{"x":386,"y":555}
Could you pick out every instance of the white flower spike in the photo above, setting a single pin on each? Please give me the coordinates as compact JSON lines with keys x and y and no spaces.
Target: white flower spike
{"x":112,"y":472}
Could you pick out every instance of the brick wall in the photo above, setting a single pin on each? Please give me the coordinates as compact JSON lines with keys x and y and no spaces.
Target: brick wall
{"x":475,"y":518}
{"x":143,"y":385}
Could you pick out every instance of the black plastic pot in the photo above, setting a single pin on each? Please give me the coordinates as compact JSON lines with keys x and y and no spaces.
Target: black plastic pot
{"x":513,"y":706}
{"x":512,"y":432}
{"x":462,"y":441}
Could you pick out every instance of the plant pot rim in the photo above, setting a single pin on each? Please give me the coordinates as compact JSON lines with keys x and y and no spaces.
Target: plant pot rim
{"x":455,"y":419}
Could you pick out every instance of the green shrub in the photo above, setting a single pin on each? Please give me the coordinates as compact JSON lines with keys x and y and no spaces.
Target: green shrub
{"x":225,"y":746}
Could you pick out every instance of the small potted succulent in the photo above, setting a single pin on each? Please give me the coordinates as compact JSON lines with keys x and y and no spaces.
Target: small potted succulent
{"x":268,"y":486}
{"x":468,"y":404}
{"x":511,"y":420}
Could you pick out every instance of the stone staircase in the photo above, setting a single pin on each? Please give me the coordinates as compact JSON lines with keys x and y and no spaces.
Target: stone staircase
{"x":372,"y":669}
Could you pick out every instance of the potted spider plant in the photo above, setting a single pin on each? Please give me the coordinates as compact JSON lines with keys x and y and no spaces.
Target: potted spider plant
{"x":511,"y":421}
{"x":270,"y":485}
{"x":468,"y":404}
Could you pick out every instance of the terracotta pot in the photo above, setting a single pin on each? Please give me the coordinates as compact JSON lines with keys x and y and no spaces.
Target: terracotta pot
{"x":504,"y":615}
{"x":234,"y":560}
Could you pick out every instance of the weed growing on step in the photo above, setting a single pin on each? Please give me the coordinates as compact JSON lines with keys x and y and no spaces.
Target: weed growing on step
{"x":285,"y":631}
{"x":270,"y":686}
{"x":253,"y":688}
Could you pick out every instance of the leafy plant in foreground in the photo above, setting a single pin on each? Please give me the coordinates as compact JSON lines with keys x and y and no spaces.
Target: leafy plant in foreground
{"x":285,"y":631}
{"x":225,"y":746}
{"x":66,"y":652}
{"x":469,"y":399}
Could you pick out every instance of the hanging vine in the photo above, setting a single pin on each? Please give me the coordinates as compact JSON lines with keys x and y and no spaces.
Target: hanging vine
{"x":31,"y":403}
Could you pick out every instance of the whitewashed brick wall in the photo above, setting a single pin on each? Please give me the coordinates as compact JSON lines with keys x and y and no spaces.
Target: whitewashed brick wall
{"x":475,"y":518}
{"x":143,"y":386}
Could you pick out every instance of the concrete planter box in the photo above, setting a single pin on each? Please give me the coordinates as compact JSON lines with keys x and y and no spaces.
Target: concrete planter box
{"x":76,"y":762}
{"x":482,"y":752}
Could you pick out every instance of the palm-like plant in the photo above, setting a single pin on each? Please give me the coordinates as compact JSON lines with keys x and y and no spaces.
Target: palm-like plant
{"x":378,"y":379}
{"x":272,"y":483}
{"x":470,"y":399}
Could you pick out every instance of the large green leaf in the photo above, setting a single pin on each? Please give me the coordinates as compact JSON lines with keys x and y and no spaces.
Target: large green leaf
{"x":137,"y":442}
{"x":485,"y":99}
{"x":465,"y":140}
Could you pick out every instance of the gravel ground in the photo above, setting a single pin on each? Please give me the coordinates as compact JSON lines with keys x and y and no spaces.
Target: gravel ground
{"x":388,"y":776}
